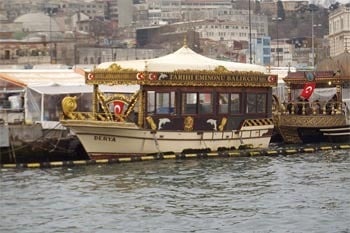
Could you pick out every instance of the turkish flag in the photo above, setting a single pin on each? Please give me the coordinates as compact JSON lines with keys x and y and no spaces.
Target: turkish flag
{"x":118,"y":107}
{"x":308,"y":90}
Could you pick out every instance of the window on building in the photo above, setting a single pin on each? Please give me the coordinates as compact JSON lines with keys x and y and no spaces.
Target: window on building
{"x":7,"y":54}
{"x":266,"y":51}
{"x":266,"y":60}
{"x":266,"y":42}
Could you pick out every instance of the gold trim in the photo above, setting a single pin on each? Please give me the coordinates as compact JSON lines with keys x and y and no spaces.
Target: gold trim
{"x":69,"y":105}
{"x":218,"y":77}
{"x":222,"y":124}
{"x":188,"y":123}
{"x":151,"y":123}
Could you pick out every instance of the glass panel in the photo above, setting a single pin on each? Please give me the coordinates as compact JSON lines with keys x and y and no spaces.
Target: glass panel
{"x":85,"y":101}
{"x":172,"y":102}
{"x":150,"y":101}
{"x":51,"y":102}
{"x":261,"y":103}
{"x":163,"y":105}
{"x":251,"y":103}
{"x":223,"y":103}
{"x":33,"y":106}
{"x":205,"y":103}
{"x":235,"y":103}
{"x":189,"y":103}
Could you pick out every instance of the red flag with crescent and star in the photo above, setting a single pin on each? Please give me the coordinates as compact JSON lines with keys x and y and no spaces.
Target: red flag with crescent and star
{"x":118,"y":107}
{"x":309,"y":88}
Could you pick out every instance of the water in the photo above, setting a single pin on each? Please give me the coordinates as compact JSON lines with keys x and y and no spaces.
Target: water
{"x":296,"y":193}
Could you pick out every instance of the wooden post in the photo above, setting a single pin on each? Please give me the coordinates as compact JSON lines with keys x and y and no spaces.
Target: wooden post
{"x":94,"y":101}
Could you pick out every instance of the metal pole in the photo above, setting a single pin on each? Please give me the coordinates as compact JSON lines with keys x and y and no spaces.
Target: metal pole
{"x":50,"y":49}
{"x":278,"y":55}
{"x":312,"y":39}
{"x":250,"y":35}
{"x":277,"y":49}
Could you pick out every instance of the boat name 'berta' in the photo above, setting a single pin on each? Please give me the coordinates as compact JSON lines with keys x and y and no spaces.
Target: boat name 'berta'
{"x":230,"y":78}
{"x":104,"y":138}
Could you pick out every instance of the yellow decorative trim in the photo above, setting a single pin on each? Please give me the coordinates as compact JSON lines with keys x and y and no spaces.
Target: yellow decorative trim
{"x":218,"y":77}
{"x":222,"y":124}
{"x":69,"y":105}
{"x":188,"y":123}
{"x":151,"y":123}
{"x":221,"y":69}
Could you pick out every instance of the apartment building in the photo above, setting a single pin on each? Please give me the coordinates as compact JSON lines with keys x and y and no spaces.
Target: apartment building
{"x":224,"y":31}
{"x":339,"y":30}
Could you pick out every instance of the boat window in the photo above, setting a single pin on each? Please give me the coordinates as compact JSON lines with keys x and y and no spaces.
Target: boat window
{"x":205,"y":103}
{"x":229,"y":103}
{"x":261,"y":103}
{"x":256,"y":103}
{"x":189,"y":103}
{"x":223,"y":103}
{"x":165,"y":102}
{"x":235,"y":103}
{"x":150,"y":101}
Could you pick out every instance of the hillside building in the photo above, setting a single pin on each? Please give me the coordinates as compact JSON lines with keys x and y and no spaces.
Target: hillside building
{"x":339,"y":30}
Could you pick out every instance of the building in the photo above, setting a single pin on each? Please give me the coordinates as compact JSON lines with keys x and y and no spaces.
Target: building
{"x":339,"y":30}
{"x":282,"y":52}
{"x":120,"y":11}
{"x":262,"y":48}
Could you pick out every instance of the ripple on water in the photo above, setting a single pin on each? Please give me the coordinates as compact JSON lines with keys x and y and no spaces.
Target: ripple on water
{"x":296,"y":193}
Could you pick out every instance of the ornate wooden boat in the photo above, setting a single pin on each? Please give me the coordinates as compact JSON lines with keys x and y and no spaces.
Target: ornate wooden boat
{"x":315,"y":110}
{"x":186,"y":103}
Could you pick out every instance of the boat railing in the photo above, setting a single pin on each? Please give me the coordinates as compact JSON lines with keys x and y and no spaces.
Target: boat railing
{"x":312,"y":108}
{"x":86,"y":116}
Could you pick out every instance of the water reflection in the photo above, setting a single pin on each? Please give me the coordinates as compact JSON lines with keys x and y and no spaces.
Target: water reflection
{"x":296,"y":193}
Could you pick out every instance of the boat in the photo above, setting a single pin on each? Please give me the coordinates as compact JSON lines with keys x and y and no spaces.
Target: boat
{"x":186,"y":103}
{"x":29,"y":113}
{"x":316,"y":109}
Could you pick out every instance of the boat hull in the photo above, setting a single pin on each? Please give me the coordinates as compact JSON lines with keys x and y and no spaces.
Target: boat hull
{"x":113,"y":139}
{"x":32,"y":143}
{"x":313,"y":128}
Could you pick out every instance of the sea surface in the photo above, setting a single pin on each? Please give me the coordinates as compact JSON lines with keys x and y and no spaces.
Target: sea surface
{"x":295,"y":193}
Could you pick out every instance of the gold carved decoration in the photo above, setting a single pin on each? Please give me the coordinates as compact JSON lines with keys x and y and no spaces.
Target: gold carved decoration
{"x":188,"y":123}
{"x":221,"y":69}
{"x":105,"y":101}
{"x":104,"y":106}
{"x":112,"y":68}
{"x":151,"y":123}
{"x":222,"y":124}
{"x":69,"y":105}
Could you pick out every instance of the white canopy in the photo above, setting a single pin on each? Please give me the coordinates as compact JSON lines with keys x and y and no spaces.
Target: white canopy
{"x":56,"y":90}
{"x":183,"y":59}
{"x":58,"y":81}
{"x":44,"y":77}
